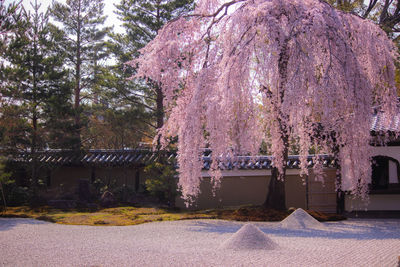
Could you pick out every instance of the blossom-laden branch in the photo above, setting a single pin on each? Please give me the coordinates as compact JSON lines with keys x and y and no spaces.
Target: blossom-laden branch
{"x":270,"y":70}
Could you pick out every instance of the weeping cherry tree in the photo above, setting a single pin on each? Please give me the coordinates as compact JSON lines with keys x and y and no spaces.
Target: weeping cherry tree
{"x":236,"y":73}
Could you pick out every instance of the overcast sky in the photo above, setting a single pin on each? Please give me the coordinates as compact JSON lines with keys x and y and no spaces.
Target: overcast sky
{"x":109,"y":8}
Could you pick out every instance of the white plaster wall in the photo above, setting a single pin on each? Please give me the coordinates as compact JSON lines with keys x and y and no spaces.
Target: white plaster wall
{"x":249,"y":173}
{"x":377,"y":202}
{"x":384,"y":201}
{"x":391,"y":151}
{"x":393,"y":173}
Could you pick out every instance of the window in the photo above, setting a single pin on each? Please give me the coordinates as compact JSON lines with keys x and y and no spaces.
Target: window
{"x":385,"y":174}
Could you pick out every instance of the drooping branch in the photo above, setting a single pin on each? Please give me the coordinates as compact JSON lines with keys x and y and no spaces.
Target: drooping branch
{"x":224,"y":7}
{"x":313,"y":63}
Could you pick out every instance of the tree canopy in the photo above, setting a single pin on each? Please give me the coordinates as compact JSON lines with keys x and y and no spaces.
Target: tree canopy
{"x":384,"y":12}
{"x":84,"y":46}
{"x":68,"y":74}
{"x":237,"y":73}
{"x":142,"y":20}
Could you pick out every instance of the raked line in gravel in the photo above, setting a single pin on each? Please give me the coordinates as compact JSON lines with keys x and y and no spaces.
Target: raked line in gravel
{"x":355,"y":242}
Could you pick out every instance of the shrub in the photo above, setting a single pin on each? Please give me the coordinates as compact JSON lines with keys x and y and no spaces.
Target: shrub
{"x":121,"y":193}
{"x":11,"y":194}
{"x":16,"y":195}
{"x":161,"y":182}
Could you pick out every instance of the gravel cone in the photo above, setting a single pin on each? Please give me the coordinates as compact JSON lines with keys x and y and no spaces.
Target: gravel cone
{"x":249,"y":237}
{"x":300,"y":219}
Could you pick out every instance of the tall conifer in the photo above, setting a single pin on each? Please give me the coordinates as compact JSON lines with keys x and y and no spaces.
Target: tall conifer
{"x":33,"y":74}
{"x":142,"y":19}
{"x":82,"y":23}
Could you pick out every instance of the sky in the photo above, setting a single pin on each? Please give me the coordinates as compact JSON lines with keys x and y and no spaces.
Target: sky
{"x":109,"y":9}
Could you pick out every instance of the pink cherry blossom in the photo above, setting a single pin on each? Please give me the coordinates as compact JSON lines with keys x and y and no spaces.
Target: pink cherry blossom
{"x":237,"y":73}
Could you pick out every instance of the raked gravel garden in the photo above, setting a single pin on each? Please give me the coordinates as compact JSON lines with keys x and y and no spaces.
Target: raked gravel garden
{"x":299,"y":240}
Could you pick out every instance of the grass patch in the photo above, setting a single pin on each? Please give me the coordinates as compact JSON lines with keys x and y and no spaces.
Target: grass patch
{"x":121,"y":216}
{"x":46,"y":218}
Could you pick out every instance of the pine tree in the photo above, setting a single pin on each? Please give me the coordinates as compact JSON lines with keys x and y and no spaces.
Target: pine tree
{"x":34,"y":73}
{"x":141,"y":20}
{"x":113,"y":127}
{"x":119,"y":117}
{"x":84,"y":46}
{"x":10,"y":20}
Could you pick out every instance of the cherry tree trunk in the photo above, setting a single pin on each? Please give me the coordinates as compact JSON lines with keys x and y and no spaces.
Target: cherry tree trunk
{"x":276,"y":198}
{"x":276,"y":189}
{"x":159,"y":106}
{"x":159,"y":111}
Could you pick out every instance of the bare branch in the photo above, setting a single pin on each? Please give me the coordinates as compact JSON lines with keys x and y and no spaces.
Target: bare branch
{"x":371,"y":5}
{"x":215,"y":14}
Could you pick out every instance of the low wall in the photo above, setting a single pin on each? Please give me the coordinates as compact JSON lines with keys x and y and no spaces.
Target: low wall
{"x":322,"y":195}
{"x":70,"y":176}
{"x":377,"y":202}
{"x":64,"y":180}
{"x":250,"y":187}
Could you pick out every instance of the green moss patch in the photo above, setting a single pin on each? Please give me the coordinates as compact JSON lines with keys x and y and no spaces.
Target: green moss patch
{"x":121,"y":216}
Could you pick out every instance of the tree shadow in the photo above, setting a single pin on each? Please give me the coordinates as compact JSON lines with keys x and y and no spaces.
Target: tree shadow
{"x":351,"y":229}
{"x":220,"y":227}
{"x":9,"y":223}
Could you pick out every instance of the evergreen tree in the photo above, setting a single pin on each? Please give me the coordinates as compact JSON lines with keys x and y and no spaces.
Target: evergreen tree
{"x":33,"y":76}
{"x":84,"y":46}
{"x":10,"y":20}
{"x":118,"y":118}
{"x":59,"y":124}
{"x":141,"y":20}
{"x":115,"y":128}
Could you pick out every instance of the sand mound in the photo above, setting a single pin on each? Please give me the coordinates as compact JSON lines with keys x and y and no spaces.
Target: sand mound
{"x":249,"y":237}
{"x":300,"y":219}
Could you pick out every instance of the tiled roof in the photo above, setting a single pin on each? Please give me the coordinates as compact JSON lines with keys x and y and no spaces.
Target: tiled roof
{"x":90,"y":157}
{"x":381,"y":124}
{"x":265,"y":162}
{"x":102,"y":157}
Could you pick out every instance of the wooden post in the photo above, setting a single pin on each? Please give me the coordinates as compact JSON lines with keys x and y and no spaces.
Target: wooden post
{"x":137,"y":180}
{"x":307,"y":193}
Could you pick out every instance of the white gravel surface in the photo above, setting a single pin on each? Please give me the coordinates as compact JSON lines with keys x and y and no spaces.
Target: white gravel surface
{"x":26,"y":242}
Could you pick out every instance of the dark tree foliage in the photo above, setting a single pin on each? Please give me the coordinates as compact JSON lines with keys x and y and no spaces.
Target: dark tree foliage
{"x":33,"y":77}
{"x":141,"y":21}
{"x":10,"y":19}
{"x":84,"y":45}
